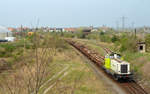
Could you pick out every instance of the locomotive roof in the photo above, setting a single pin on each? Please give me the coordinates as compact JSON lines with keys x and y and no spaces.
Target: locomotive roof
{"x":119,"y":60}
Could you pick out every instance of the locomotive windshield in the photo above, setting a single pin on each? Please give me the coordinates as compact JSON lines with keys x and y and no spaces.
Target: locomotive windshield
{"x":115,"y":55}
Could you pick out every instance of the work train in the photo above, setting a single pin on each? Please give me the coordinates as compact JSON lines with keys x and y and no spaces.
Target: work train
{"x":117,"y":67}
{"x":112,"y":63}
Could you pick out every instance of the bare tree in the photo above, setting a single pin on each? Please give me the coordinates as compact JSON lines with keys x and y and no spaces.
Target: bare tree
{"x":30,"y":78}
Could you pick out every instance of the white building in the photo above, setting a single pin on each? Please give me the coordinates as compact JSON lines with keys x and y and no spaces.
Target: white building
{"x":4,"y":33}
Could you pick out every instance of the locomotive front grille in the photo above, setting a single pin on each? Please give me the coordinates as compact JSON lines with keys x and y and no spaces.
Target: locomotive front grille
{"x":124,"y":68}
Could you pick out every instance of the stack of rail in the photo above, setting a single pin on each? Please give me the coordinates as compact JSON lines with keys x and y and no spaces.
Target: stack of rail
{"x":93,"y":56}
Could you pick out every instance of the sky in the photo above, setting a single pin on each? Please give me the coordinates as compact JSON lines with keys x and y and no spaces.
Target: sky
{"x":74,"y":13}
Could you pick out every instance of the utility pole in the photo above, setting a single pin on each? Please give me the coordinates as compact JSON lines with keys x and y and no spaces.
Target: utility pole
{"x":132,"y":27}
{"x":21,"y":28}
{"x":135,"y":32}
{"x":123,"y":22}
{"x":117,"y":25}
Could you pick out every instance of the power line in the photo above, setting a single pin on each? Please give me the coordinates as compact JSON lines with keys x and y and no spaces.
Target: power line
{"x":123,"y":22}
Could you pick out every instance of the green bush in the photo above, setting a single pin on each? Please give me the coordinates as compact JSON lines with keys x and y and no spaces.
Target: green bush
{"x":147,"y":40}
{"x":68,"y":35}
{"x":114,"y":38}
{"x":93,"y":36}
{"x":6,"y":50}
{"x":101,"y":33}
{"x":105,"y":38}
{"x":128,"y":43}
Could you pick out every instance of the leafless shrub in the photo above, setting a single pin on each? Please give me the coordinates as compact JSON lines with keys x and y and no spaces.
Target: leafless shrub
{"x":29,"y":79}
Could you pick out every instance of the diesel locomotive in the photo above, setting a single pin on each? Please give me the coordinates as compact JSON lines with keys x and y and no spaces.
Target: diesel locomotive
{"x":117,"y":67}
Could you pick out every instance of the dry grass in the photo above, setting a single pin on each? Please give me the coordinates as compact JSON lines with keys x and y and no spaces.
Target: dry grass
{"x":77,"y":79}
{"x":22,"y":79}
{"x":80,"y":78}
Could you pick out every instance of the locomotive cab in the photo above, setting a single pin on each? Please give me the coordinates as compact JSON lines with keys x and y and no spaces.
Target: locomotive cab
{"x":108,"y":57}
{"x":115,"y":55}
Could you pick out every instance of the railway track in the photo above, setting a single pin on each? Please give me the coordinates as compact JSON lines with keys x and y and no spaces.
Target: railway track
{"x":130,"y":86}
{"x":133,"y":88}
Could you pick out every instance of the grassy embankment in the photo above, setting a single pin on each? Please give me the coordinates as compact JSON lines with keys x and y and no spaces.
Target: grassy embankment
{"x":66,"y":72}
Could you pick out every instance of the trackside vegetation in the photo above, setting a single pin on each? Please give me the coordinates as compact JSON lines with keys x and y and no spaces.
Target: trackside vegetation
{"x":45,"y":64}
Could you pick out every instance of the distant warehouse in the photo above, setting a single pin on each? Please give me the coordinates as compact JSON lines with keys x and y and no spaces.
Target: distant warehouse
{"x":5,"y":35}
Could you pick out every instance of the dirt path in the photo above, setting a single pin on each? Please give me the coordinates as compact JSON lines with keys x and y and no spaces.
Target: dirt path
{"x":51,"y":86}
{"x":63,"y":71}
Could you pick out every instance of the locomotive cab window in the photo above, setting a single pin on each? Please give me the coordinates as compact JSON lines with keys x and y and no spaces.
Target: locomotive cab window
{"x":115,"y":55}
{"x":118,"y":56}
